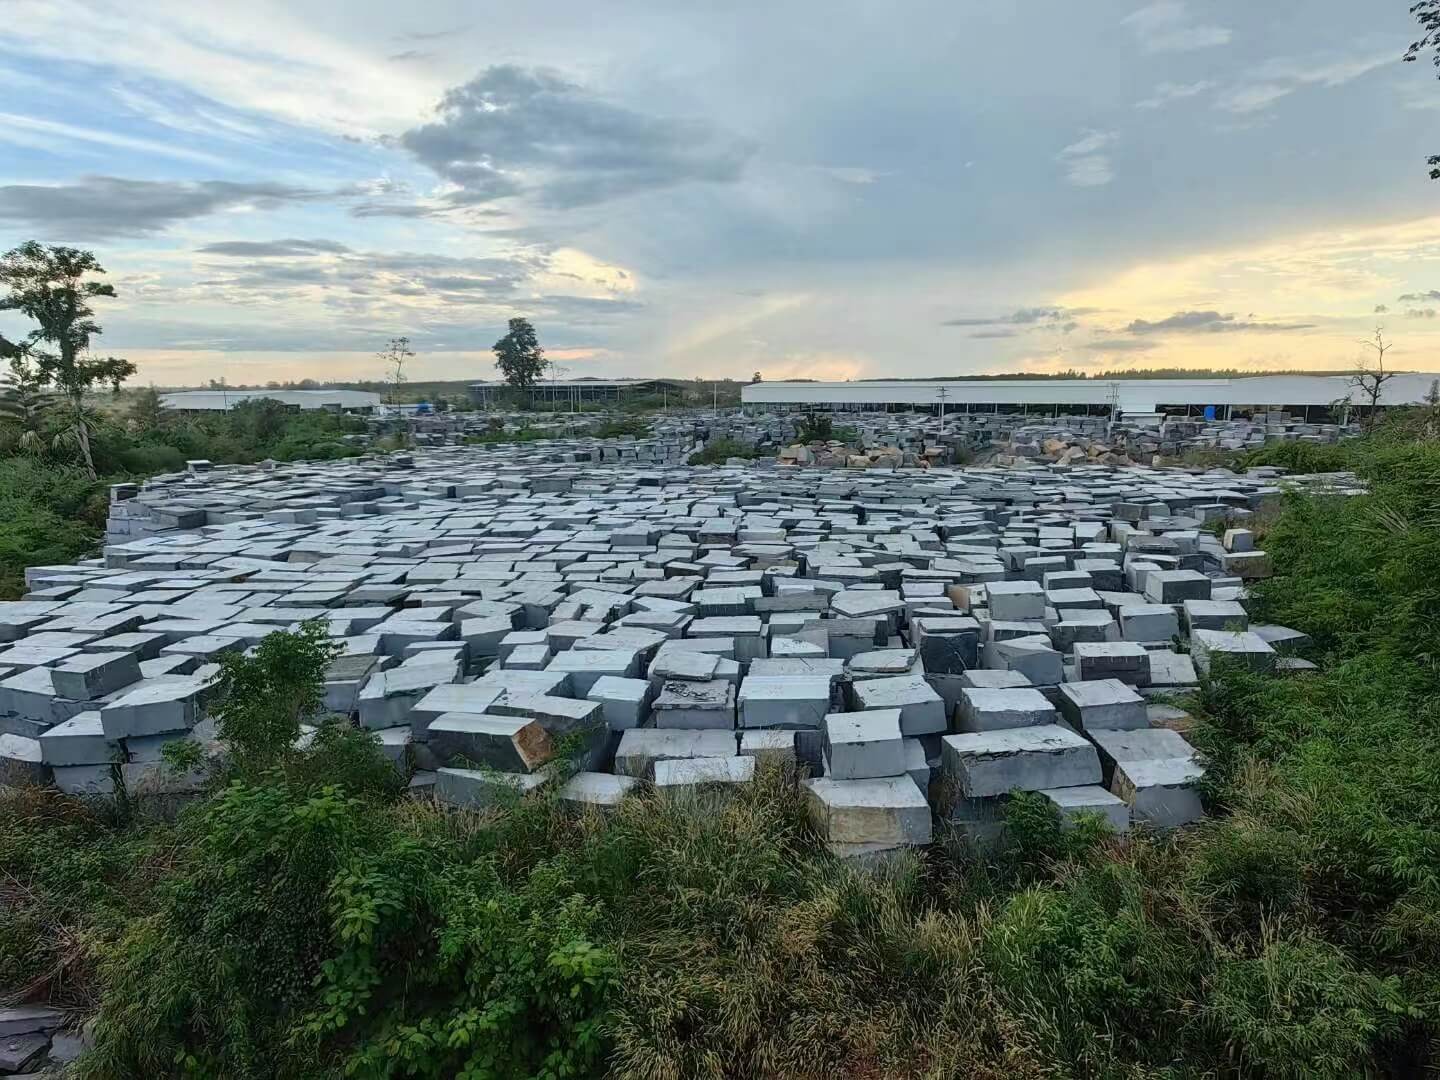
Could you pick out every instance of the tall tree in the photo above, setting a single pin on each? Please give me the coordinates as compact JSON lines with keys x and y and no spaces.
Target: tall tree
{"x":394,"y":356}
{"x":1370,"y":379}
{"x":1427,"y":13}
{"x":51,"y":285}
{"x":519,"y":356}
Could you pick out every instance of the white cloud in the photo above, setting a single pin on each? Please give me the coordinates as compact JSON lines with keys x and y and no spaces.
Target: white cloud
{"x":35,"y":132}
{"x":1166,"y":26}
{"x":1167,"y":92}
{"x":262,"y":57}
{"x":1086,"y":162}
{"x":853,"y":174}
{"x":1283,"y":76}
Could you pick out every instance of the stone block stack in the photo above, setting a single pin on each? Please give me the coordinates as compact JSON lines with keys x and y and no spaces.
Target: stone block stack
{"x":915,"y":642}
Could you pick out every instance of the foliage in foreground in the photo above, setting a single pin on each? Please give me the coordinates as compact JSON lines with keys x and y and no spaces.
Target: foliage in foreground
{"x":305,"y":921}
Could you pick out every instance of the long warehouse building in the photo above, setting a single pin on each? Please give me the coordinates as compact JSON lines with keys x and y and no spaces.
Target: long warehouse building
{"x":1300,"y":394}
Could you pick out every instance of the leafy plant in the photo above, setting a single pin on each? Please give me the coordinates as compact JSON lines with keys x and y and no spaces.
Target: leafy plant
{"x":266,"y":695}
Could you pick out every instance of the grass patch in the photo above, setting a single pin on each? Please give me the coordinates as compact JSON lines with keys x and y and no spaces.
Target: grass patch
{"x":305,"y":919}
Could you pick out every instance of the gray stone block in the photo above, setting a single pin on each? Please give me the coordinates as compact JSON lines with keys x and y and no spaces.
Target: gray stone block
{"x":998,"y":710}
{"x":1023,"y":759}
{"x":1102,"y":704}
{"x":859,"y":746}
{"x":922,"y":710}
{"x":640,"y":748}
{"x":506,"y":743}
{"x":889,"y":811}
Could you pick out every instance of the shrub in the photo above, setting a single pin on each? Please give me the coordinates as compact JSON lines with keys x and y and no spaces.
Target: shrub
{"x":815,"y":427}
{"x":630,"y":425}
{"x":266,"y":694}
{"x":717,"y":451}
{"x":1301,"y":1009}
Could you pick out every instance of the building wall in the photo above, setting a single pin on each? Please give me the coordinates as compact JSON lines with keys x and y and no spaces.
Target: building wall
{"x":1131,"y":395}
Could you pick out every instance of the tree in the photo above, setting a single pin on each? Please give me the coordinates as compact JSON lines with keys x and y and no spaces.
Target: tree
{"x":396,"y":352}
{"x":268,"y":692}
{"x":50,"y":285}
{"x":756,"y":378}
{"x":519,"y":356}
{"x":1427,"y":13}
{"x":147,"y":412}
{"x":816,"y":427}
{"x":1370,"y":380}
{"x":24,"y":402}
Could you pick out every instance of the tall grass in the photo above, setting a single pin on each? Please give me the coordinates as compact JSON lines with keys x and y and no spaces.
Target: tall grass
{"x":309,"y":922}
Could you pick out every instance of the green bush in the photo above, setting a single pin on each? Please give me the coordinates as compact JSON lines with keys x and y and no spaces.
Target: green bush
{"x":716,"y":452}
{"x":1299,"y":1008}
{"x":631,"y":425}
{"x":1303,"y":457}
{"x":815,"y":427}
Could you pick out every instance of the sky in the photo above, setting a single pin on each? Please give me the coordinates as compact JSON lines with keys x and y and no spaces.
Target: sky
{"x":847,"y":189}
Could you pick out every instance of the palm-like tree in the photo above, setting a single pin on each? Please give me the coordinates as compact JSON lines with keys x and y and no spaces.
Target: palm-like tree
{"x":25,"y":403}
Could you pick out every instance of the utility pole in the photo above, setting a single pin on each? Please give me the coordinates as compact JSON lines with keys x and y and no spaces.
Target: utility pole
{"x":715,"y":399}
{"x":942,"y":393}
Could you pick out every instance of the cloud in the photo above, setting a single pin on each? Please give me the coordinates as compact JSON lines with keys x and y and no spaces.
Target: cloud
{"x":96,"y":207}
{"x":1420,"y":313}
{"x":374,"y":287}
{"x":1166,"y":26}
{"x":1279,"y":78}
{"x":986,"y":334}
{"x":431,"y":35}
{"x":1207,"y":322}
{"x":264,"y":249}
{"x":1086,"y":163}
{"x":851,"y":174}
{"x":1047,"y":315}
{"x":1120,"y":345}
{"x":1381,"y":309}
{"x":32,"y":131}
{"x":1416,"y":297}
{"x":1167,"y":92}
{"x":514,"y":130}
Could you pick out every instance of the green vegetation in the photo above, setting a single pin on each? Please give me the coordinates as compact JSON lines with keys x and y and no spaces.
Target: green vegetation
{"x":716,"y":452}
{"x":52,"y":511}
{"x":59,"y":452}
{"x":815,"y":427}
{"x":500,"y":436}
{"x":305,"y":919}
{"x":630,"y":425}
{"x":519,"y":356}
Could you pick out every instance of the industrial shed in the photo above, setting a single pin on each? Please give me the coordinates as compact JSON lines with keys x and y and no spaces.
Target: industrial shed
{"x":223,"y":400}
{"x":1300,"y":394}
{"x":563,"y":394}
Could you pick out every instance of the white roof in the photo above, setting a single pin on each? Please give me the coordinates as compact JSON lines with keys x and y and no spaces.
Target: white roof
{"x":1132,"y":395}
{"x":219,"y":400}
